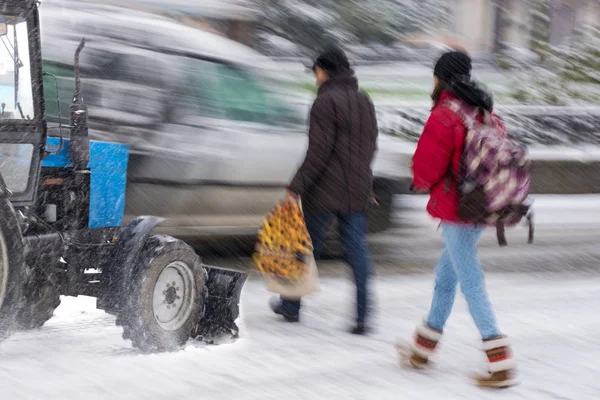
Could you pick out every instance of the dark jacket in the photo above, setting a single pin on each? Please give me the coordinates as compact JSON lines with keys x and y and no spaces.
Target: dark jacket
{"x":336,"y":174}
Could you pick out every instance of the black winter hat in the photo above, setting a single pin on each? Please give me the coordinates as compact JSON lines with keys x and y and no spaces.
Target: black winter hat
{"x":452,"y":65}
{"x":333,"y":60}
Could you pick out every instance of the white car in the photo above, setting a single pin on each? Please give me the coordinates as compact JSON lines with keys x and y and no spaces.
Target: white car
{"x":215,"y":138}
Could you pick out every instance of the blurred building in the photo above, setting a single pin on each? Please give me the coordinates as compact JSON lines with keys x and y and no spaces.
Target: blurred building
{"x":482,"y":25}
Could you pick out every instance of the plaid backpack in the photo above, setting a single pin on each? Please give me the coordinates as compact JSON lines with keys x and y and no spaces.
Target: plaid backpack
{"x":495,"y":174}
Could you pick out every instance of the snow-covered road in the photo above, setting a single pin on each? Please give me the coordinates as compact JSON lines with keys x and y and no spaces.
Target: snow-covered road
{"x":549,"y":306}
{"x":567,"y":234}
{"x":566,"y":239}
{"x":552,"y":319}
{"x":558,"y":219}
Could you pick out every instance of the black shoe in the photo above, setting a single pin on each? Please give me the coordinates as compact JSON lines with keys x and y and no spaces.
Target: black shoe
{"x":360,"y":329}
{"x":275,"y":305}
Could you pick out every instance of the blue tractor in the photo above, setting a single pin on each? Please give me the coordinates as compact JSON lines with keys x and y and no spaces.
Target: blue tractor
{"x":61,"y":211}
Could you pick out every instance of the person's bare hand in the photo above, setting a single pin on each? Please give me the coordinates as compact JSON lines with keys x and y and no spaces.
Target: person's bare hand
{"x":291,"y":195}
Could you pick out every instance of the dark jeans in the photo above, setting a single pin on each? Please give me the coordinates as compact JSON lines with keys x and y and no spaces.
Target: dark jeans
{"x":353,"y":233}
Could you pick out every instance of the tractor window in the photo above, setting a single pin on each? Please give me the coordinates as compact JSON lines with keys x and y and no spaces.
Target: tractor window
{"x":15,"y":164}
{"x":16,"y":97}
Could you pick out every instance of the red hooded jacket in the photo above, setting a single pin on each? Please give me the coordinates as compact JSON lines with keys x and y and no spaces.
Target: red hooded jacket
{"x":440,"y":148}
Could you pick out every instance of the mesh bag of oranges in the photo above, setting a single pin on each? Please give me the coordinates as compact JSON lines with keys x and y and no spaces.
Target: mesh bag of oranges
{"x":284,"y":249}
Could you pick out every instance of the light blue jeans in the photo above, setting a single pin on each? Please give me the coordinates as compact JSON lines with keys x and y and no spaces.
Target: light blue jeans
{"x":459,"y":263}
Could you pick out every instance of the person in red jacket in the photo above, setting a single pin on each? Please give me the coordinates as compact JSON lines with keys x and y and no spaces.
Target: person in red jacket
{"x":436,"y":168}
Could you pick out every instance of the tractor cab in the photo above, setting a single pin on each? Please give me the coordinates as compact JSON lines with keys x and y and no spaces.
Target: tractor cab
{"x":22,"y":123}
{"x":23,"y":126}
{"x":61,"y":212}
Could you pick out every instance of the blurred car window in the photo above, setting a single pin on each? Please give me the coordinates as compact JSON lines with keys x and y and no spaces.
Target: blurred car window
{"x":196,"y":95}
{"x":218,"y":90}
{"x":139,"y":70}
{"x":251,"y":97}
{"x":64,"y":76}
{"x":242,"y":96}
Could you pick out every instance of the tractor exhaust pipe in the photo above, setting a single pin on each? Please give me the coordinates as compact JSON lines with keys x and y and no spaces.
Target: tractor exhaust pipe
{"x":222,"y":305}
{"x":80,"y":141}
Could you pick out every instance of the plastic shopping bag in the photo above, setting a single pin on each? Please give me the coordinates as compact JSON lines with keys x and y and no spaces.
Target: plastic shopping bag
{"x":284,"y":253}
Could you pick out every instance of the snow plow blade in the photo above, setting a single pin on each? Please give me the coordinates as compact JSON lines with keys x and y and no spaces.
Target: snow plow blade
{"x":222,"y":304}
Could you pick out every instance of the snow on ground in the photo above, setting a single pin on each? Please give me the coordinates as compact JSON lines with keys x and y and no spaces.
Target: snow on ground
{"x":550,"y":316}
{"x":80,"y":354}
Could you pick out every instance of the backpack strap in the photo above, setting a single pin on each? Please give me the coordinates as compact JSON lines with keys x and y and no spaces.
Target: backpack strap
{"x":501,"y":231}
{"x":459,"y":108}
{"x":531,"y":227}
{"x":465,"y":112}
{"x":501,"y":234}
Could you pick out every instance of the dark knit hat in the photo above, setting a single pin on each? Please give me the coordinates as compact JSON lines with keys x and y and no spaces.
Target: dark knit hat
{"x":333,"y":60}
{"x":451,"y":65}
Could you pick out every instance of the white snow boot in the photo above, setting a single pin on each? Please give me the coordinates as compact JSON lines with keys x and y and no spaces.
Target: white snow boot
{"x":422,"y":348}
{"x":501,"y":364}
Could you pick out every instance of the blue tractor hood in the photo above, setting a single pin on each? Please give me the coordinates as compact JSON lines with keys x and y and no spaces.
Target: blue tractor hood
{"x":108,"y":181}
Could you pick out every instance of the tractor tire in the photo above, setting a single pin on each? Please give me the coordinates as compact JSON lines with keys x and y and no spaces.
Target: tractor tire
{"x":166,"y":296}
{"x":42,"y":297}
{"x":13,"y":274}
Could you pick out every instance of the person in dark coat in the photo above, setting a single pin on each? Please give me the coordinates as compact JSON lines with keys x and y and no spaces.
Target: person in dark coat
{"x":335,"y":180}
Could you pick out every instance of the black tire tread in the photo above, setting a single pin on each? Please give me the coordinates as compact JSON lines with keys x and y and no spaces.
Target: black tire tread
{"x":17,"y":275}
{"x":41,"y":298}
{"x":131,"y":317}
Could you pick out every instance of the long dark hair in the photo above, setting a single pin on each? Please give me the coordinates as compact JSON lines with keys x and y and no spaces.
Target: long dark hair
{"x":465,"y":89}
{"x":437,"y":92}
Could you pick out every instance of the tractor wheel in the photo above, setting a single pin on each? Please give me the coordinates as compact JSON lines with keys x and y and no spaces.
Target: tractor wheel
{"x":166,"y":296}
{"x":42,"y":297}
{"x":12,"y":268}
